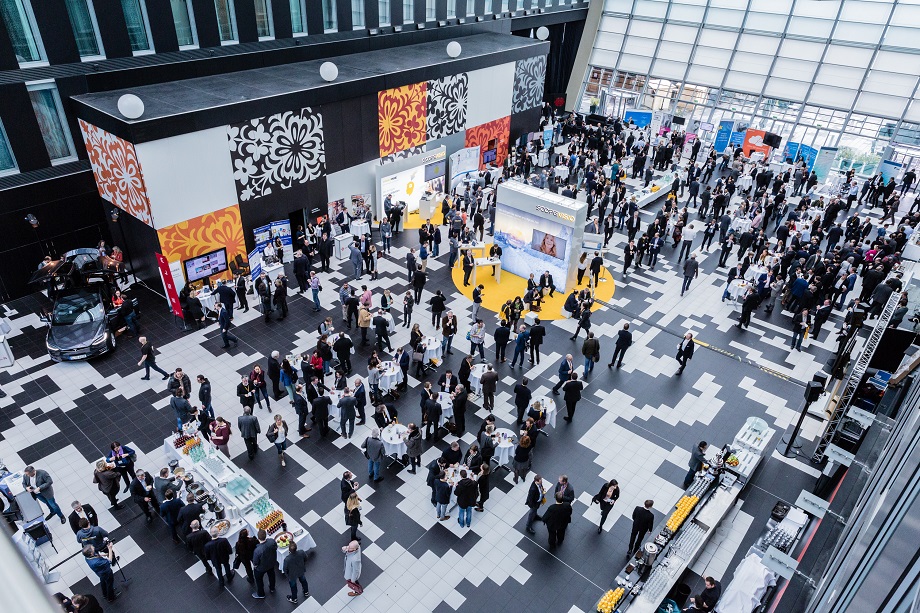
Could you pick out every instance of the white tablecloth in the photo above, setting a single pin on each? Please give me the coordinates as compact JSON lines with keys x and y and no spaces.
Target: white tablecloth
{"x":745,"y":182}
{"x":475,"y":374}
{"x":447,"y":406}
{"x":390,"y":375}
{"x":549,"y":408}
{"x":562,"y":172}
{"x":737,"y":288}
{"x":208,"y":300}
{"x":432,"y":349}
{"x":741,"y":224}
{"x":507,"y":440}
{"x":393,"y":443}
{"x":754,"y":272}
{"x":359,"y":228}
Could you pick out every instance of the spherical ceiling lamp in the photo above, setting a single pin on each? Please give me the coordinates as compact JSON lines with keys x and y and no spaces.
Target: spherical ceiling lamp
{"x":328,"y":71}
{"x":542,"y":32}
{"x":130,"y":106}
{"x":454,"y":49}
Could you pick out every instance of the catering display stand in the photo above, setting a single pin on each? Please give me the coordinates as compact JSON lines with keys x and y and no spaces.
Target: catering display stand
{"x":655,"y":190}
{"x":231,"y":494}
{"x":648,"y":578}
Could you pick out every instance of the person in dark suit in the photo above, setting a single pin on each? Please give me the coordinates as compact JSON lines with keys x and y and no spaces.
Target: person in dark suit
{"x":264,"y":560}
{"x":501,"y":335}
{"x":142,"y":494}
{"x":196,"y":541}
{"x":190,"y":513}
{"x":301,"y":268}
{"x":170,"y":511}
{"x":643,"y":522}
{"x":751,"y":300}
{"x":274,"y":374}
{"x":537,"y":333}
{"x":535,"y":499}
{"x":566,"y":368}
{"x":223,"y":321}
{"x":460,"y":401}
{"x":348,"y":485}
{"x":467,"y":266}
{"x":218,"y":551}
{"x":624,"y":340}
{"x":81,"y":511}
{"x":697,"y":460}
{"x":241,"y":292}
{"x":226,"y":296}
{"x":522,"y":396}
{"x":447,"y":381}
{"x":557,"y":518}
{"x":685,"y":351}
{"x":546,"y":282}
{"x":325,"y":252}
{"x":489,"y":382}
{"x":571,"y":395}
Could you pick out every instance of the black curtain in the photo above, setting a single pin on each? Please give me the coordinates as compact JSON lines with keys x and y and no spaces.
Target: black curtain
{"x":564,"y":39}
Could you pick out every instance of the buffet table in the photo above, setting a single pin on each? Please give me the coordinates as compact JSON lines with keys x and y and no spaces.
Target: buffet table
{"x":243,"y":509}
{"x":680,"y":538}
{"x":494,"y":263}
{"x":647,"y":195}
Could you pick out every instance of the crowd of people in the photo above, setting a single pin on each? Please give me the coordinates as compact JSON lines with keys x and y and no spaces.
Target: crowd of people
{"x":793,"y":245}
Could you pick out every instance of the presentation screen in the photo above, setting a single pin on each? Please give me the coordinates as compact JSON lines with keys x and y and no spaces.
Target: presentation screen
{"x":206,"y":265}
{"x":410,"y":185}
{"x":532,"y":244}
{"x":706,"y":127}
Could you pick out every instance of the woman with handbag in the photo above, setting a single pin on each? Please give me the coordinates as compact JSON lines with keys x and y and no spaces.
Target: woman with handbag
{"x":413,"y":439}
{"x":245,"y":548}
{"x":277,"y":434}
{"x":606,"y":497}
{"x":521,"y":461}
{"x":353,"y":509}
{"x":352,"y":553}
{"x":220,"y":435}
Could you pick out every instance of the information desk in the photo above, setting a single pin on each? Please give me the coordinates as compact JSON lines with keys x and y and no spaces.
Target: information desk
{"x":717,"y":490}
{"x":340,"y":246}
{"x":494,"y":263}
{"x":215,"y":472}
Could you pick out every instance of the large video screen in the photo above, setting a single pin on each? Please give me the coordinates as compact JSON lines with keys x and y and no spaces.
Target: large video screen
{"x":532,"y":244}
{"x":410,"y":185}
{"x":206,"y":265}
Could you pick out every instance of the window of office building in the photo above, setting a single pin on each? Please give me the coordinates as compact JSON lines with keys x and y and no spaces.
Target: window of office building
{"x":383,"y":8}
{"x":330,"y":21}
{"x":430,"y":10}
{"x":264,"y":26}
{"x":451,"y":9}
{"x":138,"y":28}
{"x":20,"y":23}
{"x":184,"y":20}
{"x":7,"y":161}
{"x":298,"y":17}
{"x":488,"y":7}
{"x":85,"y":30}
{"x":408,"y":11}
{"x":357,"y":14}
{"x":226,"y":21}
{"x":46,"y":102}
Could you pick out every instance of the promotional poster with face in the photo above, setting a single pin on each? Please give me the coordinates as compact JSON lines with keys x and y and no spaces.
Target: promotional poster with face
{"x":532,"y":244}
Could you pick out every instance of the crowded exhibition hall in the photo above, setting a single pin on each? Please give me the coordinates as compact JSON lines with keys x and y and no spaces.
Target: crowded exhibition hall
{"x":293,"y":290}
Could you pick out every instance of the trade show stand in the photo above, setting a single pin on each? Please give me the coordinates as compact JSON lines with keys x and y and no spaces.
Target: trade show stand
{"x":655,"y":190}
{"x":230,"y":495}
{"x":650,"y":576}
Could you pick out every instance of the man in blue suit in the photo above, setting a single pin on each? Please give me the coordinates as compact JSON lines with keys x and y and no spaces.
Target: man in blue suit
{"x":566,"y":368}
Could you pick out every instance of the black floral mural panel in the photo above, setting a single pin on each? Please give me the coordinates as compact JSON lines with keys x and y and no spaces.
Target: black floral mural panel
{"x":447,"y":102}
{"x":276,"y":152}
{"x":529,"y":76}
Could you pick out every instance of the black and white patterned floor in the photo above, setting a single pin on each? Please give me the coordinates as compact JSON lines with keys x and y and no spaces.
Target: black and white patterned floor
{"x":635,"y":424}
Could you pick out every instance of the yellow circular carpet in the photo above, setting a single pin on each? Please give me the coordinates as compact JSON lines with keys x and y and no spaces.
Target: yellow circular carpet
{"x":414,"y":221}
{"x":511,"y":286}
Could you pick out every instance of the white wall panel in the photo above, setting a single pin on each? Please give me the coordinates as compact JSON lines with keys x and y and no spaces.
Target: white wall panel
{"x":766,"y":21}
{"x":796,"y":70}
{"x":865,"y":12}
{"x":359,"y":179}
{"x":807,"y":26}
{"x":641,"y":46}
{"x":902,"y":37}
{"x":635,"y":63}
{"x":719,"y":39}
{"x":647,"y":29}
{"x":780,"y":7}
{"x":816,"y":8}
{"x":752,"y":62}
{"x":704,"y":75}
{"x":676,"y":52}
{"x":906,"y":14}
{"x":604,"y":57}
{"x":187,"y":176}
{"x":913,"y":112}
{"x":786,"y":90}
{"x":841,"y":76}
{"x":832,"y":97}
{"x":846,"y":56}
{"x":893,"y":61}
{"x":667,"y":69}
{"x":859,"y":32}
{"x":801,"y":50}
{"x":649,"y":8}
{"x":491,"y":91}
{"x":609,"y":41}
{"x":613,"y":24}
{"x":745,"y":82}
{"x":725,"y":17}
{"x":880,"y":104}
{"x":680,"y":34}
{"x":892,"y":83}
{"x":754,"y":43}
{"x":683,"y":12}
{"x":708,"y":56}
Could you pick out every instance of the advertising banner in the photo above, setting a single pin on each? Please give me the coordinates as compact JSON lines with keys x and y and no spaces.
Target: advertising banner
{"x":547,"y":138}
{"x":753,"y":141}
{"x":466,"y":161}
{"x":639,"y":118}
{"x":723,"y":134}
{"x":791,"y":152}
{"x":255,"y":264}
{"x":172,"y":292}
{"x":889,"y":169}
{"x":736,"y":138}
{"x":823,"y":162}
{"x":407,"y":180}
{"x":808,"y":154}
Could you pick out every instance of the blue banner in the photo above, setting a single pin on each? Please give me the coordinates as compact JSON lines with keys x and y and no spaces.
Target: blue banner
{"x":791,"y":151}
{"x":722,"y":135}
{"x":736,"y":138}
{"x":547,"y":138}
{"x":809,"y":154}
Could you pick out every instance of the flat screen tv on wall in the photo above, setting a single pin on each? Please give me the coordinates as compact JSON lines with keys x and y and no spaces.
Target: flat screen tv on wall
{"x":212,"y":263}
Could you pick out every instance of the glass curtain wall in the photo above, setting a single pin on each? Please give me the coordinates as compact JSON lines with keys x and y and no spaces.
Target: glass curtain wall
{"x":50,"y":114}
{"x":184,"y":22}
{"x":298,"y":16}
{"x":83,"y":22}
{"x":20,"y":24}
{"x":136,"y":19}
{"x":383,"y":12}
{"x":840,"y":73}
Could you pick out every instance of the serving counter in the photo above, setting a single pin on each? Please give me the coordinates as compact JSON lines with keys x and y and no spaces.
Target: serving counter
{"x":246,"y":504}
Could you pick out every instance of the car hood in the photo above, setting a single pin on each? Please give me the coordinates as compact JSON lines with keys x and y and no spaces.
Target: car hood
{"x":77,"y":336}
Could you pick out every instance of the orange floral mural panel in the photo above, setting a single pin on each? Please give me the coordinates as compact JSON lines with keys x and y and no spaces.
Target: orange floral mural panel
{"x":401,"y":117}
{"x":494,"y":134}
{"x":200,"y":235}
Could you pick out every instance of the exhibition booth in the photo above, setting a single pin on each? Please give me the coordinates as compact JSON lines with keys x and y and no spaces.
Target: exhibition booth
{"x":416,"y":185}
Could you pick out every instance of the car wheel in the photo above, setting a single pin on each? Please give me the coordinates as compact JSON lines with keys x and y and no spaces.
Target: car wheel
{"x":111,"y":343}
